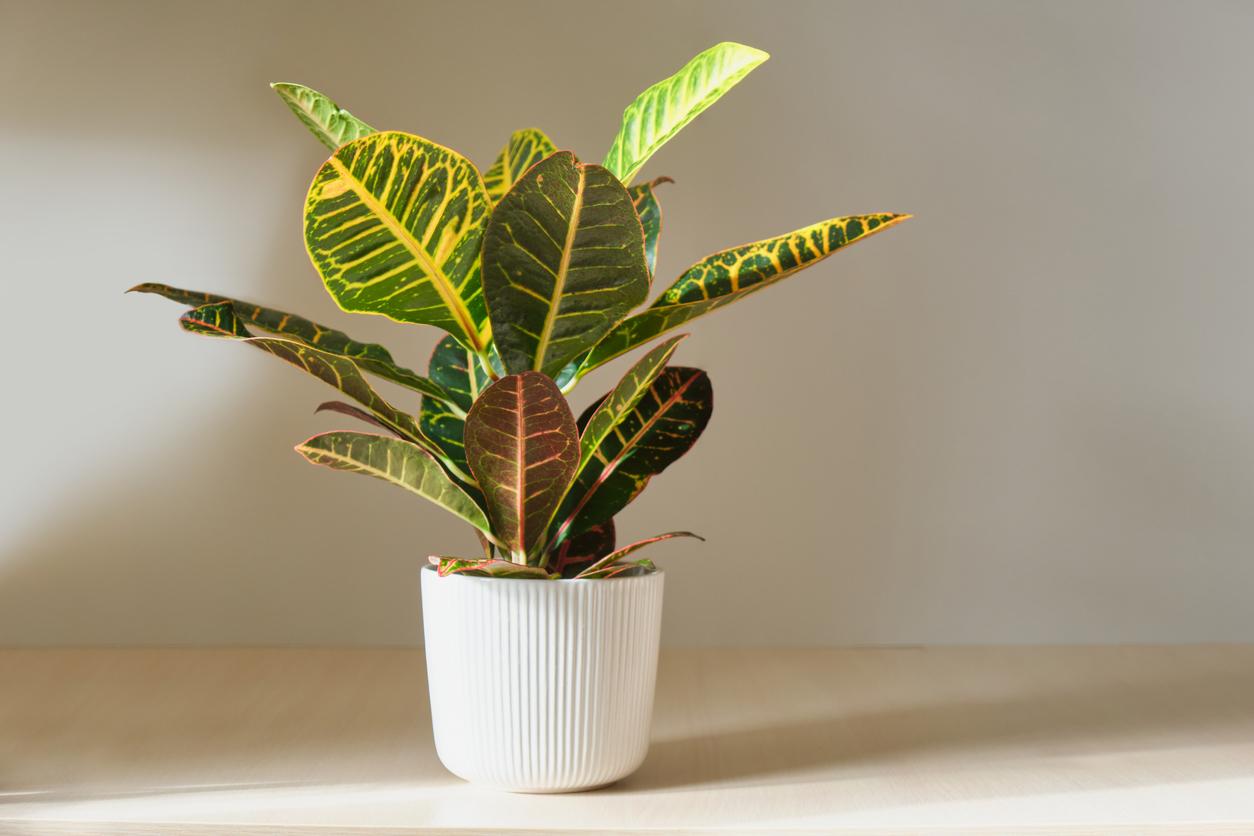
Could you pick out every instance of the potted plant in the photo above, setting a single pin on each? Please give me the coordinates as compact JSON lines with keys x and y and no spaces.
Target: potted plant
{"x":542,"y":648}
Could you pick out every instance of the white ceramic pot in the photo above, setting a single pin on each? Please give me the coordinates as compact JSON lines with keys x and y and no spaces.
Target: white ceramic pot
{"x":541,"y":686}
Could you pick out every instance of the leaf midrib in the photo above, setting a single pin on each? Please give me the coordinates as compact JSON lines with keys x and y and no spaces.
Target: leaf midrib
{"x":563,"y":267}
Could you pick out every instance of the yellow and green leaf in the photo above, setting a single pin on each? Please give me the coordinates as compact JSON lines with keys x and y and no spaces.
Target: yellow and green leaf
{"x":615,"y":407}
{"x":219,"y":320}
{"x":397,"y":462}
{"x":524,"y":149}
{"x":523,"y":449}
{"x":330,"y":123}
{"x":733,"y":274}
{"x":369,"y":357}
{"x":563,"y":263}
{"x":661,"y":111}
{"x":662,"y":426}
{"x":394,"y":225}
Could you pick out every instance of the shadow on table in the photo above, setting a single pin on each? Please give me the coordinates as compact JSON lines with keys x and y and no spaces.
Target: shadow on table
{"x":1162,"y":712}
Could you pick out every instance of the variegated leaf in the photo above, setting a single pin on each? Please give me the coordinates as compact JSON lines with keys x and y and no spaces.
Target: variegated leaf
{"x":661,"y":111}
{"x":394,"y":224}
{"x":610,"y":559}
{"x":524,"y":149}
{"x":563,"y":263}
{"x":577,"y":553}
{"x":218,"y":320}
{"x":489,"y":568}
{"x":369,"y":357}
{"x":664,"y":424}
{"x":460,"y":373}
{"x":622,"y":399}
{"x":523,"y":449}
{"x":733,"y":274}
{"x":650,"y":214}
{"x":330,"y":123}
{"x":397,"y":462}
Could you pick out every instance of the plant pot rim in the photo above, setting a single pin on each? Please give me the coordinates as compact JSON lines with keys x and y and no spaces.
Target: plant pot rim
{"x":656,"y":573}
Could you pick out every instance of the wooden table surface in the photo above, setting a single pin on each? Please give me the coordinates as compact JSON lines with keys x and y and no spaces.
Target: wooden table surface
{"x":1094,"y":740}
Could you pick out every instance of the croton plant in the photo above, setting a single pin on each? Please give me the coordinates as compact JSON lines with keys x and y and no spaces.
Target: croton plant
{"x":533,"y":269}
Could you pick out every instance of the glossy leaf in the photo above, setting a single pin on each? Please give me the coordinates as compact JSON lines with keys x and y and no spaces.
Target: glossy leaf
{"x":394,"y":224}
{"x":523,"y":449}
{"x":524,"y":149}
{"x":397,"y":462}
{"x":661,"y":111}
{"x":733,"y":274}
{"x":563,"y":263}
{"x":488,"y":567}
{"x":650,"y":214}
{"x":614,"y":557}
{"x":219,"y":320}
{"x":578,"y":553}
{"x":330,"y":123}
{"x":613,"y":409}
{"x":665,"y":423}
{"x":369,"y":357}
{"x":444,"y":423}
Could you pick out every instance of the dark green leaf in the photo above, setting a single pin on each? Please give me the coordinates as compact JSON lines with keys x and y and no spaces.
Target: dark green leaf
{"x":662,"y":427}
{"x":444,"y":423}
{"x":650,"y":214}
{"x":563,"y":263}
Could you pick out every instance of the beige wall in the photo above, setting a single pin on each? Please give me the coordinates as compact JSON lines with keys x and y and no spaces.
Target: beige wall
{"x":1027,"y":415}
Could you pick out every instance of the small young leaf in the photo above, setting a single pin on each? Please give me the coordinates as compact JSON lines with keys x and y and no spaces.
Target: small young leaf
{"x":614,"y":557}
{"x":524,"y":149}
{"x":330,"y":123}
{"x":650,"y":213}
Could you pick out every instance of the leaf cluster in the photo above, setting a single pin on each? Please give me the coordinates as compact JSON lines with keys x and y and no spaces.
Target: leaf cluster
{"x":536,"y":270}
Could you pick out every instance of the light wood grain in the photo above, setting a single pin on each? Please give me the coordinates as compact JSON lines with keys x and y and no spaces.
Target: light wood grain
{"x":978,"y":740}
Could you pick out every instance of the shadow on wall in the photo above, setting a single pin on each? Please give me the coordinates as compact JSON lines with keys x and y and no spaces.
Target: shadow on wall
{"x":192,"y":529}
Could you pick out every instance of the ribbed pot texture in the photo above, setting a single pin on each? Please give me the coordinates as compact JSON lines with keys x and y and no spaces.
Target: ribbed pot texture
{"x":541,"y":686}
